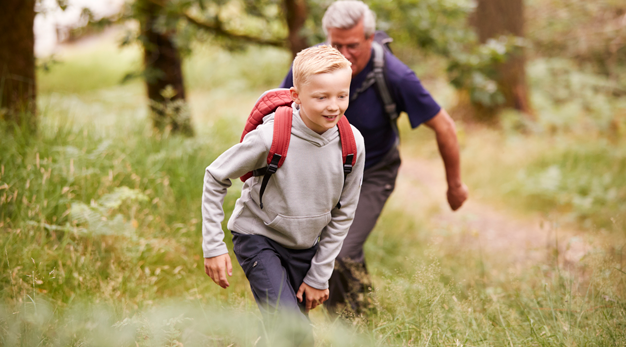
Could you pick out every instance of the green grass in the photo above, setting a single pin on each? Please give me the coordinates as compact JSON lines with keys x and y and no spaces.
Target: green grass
{"x":100,"y":231}
{"x":97,"y":65}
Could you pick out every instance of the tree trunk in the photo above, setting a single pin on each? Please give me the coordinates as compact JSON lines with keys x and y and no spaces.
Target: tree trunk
{"x":295,"y":14}
{"x":506,"y":17}
{"x":17,"y":62}
{"x":163,"y":73}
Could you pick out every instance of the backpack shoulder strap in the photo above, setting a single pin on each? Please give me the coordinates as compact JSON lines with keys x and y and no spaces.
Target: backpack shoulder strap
{"x":280,"y":145}
{"x":383,"y":89}
{"x":383,"y":39}
{"x":348,"y":144}
{"x":348,"y":148}
{"x":377,"y":76}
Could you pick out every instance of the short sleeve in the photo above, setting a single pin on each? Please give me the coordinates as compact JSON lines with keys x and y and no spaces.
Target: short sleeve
{"x":409,"y":93}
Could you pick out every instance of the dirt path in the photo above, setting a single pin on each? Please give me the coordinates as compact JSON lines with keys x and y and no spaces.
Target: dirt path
{"x":511,"y":238}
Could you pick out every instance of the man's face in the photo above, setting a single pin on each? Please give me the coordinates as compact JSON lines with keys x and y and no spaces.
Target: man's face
{"x":324,"y":99}
{"x":353,"y":45}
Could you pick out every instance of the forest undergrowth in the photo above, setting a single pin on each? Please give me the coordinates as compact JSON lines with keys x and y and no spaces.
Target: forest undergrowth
{"x":100,"y":225}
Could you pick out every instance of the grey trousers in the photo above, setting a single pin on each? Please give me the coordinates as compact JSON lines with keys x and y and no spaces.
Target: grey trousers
{"x":275,"y":274}
{"x":350,"y":281}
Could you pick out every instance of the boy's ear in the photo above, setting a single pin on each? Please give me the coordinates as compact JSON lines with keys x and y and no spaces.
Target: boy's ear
{"x":293,"y":92}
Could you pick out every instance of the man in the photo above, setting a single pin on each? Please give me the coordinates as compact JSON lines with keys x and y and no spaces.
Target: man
{"x":350,"y":27}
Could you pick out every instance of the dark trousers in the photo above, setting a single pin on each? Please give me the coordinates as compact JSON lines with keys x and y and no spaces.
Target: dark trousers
{"x":275,"y":274}
{"x":350,"y":281}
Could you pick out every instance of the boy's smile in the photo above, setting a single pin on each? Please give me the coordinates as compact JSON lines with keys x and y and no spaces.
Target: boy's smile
{"x":323,"y":99}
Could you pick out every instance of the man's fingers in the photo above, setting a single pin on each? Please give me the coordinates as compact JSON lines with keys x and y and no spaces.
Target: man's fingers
{"x":309,"y":304}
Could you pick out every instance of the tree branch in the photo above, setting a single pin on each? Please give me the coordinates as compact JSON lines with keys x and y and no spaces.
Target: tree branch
{"x":218,"y":30}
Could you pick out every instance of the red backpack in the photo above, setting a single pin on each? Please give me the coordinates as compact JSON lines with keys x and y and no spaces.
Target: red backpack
{"x":279,"y":101}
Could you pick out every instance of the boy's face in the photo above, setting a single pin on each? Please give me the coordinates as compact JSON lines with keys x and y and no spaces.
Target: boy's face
{"x":324,"y":99}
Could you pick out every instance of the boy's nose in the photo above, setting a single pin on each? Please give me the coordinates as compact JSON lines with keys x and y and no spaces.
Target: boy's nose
{"x":333,"y":105}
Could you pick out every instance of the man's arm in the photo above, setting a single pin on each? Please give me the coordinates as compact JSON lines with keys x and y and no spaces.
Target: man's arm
{"x":444,"y":128}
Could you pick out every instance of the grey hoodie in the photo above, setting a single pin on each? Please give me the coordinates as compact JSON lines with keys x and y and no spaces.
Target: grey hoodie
{"x":300,"y":198}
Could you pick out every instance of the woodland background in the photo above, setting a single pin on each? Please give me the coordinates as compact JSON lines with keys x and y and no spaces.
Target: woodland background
{"x":103,"y":146}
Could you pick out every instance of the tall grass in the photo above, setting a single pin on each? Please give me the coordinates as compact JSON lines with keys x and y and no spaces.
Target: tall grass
{"x":100,"y":240}
{"x":448,"y":294}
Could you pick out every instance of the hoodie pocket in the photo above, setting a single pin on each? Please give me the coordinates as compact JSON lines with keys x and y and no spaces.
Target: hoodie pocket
{"x":302,"y":229}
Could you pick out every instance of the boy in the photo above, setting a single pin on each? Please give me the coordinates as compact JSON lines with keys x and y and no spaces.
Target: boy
{"x":287,"y":246}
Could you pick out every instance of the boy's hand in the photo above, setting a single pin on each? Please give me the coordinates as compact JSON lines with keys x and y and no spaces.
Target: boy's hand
{"x":217,"y":267}
{"x":314,"y":297}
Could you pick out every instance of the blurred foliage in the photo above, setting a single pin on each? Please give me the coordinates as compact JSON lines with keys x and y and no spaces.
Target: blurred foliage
{"x":441,"y":28}
{"x":589,"y":32}
{"x":574,"y":99}
{"x":434,"y":27}
{"x":232,"y":24}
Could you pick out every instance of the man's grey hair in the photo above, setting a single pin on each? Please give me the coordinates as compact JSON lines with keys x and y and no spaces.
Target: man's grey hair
{"x":347,"y":14}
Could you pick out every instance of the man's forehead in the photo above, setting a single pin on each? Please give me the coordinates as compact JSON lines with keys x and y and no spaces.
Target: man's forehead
{"x":357,"y":32}
{"x":343,"y":39}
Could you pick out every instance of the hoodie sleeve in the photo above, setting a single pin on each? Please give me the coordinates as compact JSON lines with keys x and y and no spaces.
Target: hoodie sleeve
{"x":244,"y":157}
{"x":335,"y":232}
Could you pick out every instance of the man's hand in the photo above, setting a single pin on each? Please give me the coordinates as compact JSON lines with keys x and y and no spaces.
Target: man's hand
{"x":217,"y":267}
{"x":457,"y":194}
{"x":314,"y":297}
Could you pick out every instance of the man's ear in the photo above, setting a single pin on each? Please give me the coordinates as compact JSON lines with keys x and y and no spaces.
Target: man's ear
{"x":293,"y":92}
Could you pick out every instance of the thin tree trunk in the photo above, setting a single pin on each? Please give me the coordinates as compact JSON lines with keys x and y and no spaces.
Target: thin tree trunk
{"x":17,"y":62}
{"x":506,"y":17}
{"x":295,"y":14}
{"x":163,"y":74}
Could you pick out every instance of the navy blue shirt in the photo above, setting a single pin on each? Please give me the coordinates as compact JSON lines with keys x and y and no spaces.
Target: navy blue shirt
{"x":367,"y":112}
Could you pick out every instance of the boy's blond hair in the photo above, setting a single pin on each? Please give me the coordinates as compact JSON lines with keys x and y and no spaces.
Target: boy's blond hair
{"x":317,"y":60}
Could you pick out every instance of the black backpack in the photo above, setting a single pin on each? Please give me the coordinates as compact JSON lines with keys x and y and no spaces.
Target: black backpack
{"x":378,"y":76}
